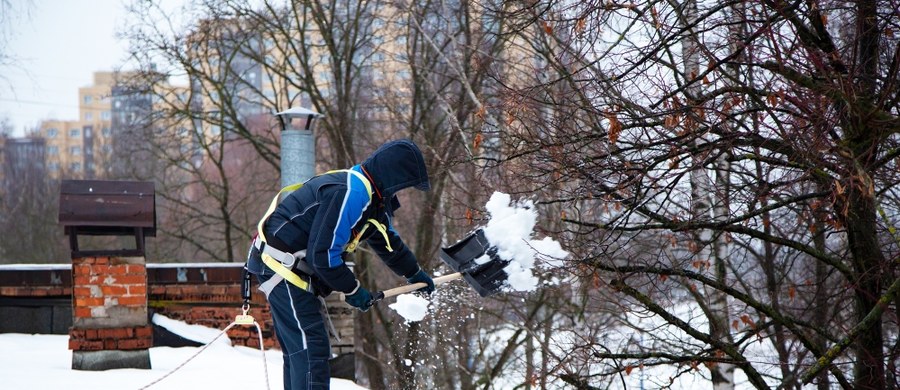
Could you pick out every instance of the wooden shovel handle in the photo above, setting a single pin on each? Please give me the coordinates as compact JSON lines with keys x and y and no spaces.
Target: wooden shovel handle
{"x":410,"y":287}
{"x":413,"y":287}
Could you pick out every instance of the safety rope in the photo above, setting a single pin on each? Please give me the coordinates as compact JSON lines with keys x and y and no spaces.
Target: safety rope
{"x":241,"y":319}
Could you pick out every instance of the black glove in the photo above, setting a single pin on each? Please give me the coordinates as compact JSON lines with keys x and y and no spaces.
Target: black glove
{"x":359,"y":298}
{"x":422,"y":277}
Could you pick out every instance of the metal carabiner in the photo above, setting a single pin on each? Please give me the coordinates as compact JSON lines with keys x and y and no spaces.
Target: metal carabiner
{"x":244,"y":318}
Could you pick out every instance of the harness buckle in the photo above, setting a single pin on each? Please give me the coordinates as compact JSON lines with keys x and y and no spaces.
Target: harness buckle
{"x":286,"y":259}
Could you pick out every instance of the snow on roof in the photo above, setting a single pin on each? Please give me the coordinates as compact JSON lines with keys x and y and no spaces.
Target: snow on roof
{"x":299,"y":111}
{"x":68,"y":266}
{"x":45,"y":362}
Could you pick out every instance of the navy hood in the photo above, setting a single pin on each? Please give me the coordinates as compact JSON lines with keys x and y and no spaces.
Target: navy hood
{"x":397,"y":165}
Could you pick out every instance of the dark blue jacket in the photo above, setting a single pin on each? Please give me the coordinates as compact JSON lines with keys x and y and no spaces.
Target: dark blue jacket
{"x":329,"y":210}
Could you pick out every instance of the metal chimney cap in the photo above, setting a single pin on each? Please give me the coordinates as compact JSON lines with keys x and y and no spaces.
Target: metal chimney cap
{"x":300,"y":111}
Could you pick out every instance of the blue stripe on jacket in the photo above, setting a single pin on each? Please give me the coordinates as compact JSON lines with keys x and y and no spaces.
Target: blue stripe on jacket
{"x":355,"y":201}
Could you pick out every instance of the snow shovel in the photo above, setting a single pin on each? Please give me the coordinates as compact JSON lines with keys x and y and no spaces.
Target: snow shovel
{"x":474,"y":259}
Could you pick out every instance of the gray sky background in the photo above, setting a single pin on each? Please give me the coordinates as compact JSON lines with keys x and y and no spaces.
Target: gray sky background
{"x":58,"y":45}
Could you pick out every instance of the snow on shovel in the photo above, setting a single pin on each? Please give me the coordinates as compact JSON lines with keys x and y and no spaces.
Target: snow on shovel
{"x":473,"y":259}
{"x":489,"y":266}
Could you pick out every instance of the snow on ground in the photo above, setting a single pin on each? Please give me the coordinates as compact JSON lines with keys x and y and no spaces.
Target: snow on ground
{"x":569,"y":345}
{"x":45,"y":361}
{"x":198,"y":333}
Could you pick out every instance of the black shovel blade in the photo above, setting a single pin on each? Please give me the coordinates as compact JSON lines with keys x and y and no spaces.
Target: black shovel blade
{"x":486,"y":278}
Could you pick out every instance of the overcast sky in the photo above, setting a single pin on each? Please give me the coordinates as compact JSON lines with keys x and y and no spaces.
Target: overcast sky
{"x":58,"y":44}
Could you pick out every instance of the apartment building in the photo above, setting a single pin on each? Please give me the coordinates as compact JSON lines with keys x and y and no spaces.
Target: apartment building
{"x":22,"y":160}
{"x":73,"y":145}
{"x":83,"y":148}
{"x":65,"y":146}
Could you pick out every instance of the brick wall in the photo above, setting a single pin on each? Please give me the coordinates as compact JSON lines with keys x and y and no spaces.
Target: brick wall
{"x":203,"y":294}
{"x":209,"y":295}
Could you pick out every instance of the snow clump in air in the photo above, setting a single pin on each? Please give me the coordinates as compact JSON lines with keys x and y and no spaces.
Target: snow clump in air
{"x":510,"y":229}
{"x":410,"y":306}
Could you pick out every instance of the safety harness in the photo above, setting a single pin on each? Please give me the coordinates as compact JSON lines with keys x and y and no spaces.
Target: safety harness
{"x":284,"y":263}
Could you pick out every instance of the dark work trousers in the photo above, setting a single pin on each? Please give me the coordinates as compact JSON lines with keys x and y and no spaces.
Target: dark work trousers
{"x":301,"y":332}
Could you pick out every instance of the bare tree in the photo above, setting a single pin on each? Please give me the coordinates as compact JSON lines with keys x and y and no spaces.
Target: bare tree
{"x":796,"y":116}
{"x":28,"y":205}
{"x":9,"y":12}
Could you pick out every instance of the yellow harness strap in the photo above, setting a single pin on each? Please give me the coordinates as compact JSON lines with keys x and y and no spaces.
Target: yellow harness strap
{"x":351,"y":246}
{"x":283,"y":271}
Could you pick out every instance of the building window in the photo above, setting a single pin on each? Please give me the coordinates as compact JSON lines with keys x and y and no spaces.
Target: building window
{"x":54,"y":166}
{"x":87,"y":132}
{"x":107,"y":148}
{"x":118,"y":104}
{"x":51,"y":133}
{"x":75,"y":132}
{"x":53,"y":150}
{"x":75,"y":167}
{"x":106,"y":132}
{"x":75,"y":150}
{"x":88,"y":116}
{"x":105,"y":115}
{"x":88,"y":99}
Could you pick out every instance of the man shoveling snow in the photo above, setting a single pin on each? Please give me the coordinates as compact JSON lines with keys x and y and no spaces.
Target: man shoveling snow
{"x":298,"y":253}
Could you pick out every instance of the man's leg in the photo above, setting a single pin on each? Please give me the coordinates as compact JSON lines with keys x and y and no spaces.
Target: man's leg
{"x":304,"y":340}
{"x":286,"y":366}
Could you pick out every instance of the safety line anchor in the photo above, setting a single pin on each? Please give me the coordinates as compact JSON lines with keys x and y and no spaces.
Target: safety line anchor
{"x":244,"y":318}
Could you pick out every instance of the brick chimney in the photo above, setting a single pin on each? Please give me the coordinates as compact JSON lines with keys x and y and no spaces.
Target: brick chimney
{"x":109,"y":300}
{"x":110,"y":327}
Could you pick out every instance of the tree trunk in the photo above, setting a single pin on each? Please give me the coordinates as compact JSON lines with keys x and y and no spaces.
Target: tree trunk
{"x":870,"y":265}
{"x":870,"y":274}
{"x":821,"y":306}
{"x":364,"y":331}
{"x":707,"y":201}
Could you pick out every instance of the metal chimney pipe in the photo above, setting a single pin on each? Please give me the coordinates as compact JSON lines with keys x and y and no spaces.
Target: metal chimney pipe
{"x":298,"y":146}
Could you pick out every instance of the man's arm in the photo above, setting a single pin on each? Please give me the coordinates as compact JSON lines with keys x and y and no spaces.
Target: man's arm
{"x":401,"y":260}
